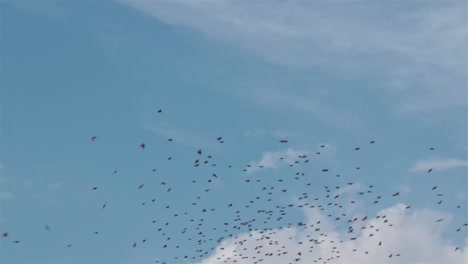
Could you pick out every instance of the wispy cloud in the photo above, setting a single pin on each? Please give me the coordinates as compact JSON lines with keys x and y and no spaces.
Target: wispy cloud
{"x":54,"y":186}
{"x":5,"y":195}
{"x":275,"y":159}
{"x":351,"y":189}
{"x":184,"y":137}
{"x":48,"y":8}
{"x":352,"y":37}
{"x":279,"y":134}
{"x":254,"y":133}
{"x":403,"y":189}
{"x":414,"y":235}
{"x":438,"y":164}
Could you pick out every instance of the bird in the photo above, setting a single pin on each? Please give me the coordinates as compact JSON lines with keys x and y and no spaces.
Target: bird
{"x":283,"y":141}
{"x":47,"y":228}
{"x":141,"y":186}
{"x":159,"y":111}
{"x":104,"y":205}
{"x":429,"y":170}
{"x":142,"y":145}
{"x":433,"y":188}
{"x":199,"y":152}
{"x":134,"y":245}
{"x":93,"y":138}
{"x":5,"y":234}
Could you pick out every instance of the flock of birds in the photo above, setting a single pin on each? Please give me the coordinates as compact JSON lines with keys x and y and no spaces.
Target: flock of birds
{"x":243,"y":217}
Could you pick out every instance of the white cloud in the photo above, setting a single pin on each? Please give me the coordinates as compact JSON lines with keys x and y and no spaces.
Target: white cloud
{"x":438,"y":164}
{"x":355,"y":37}
{"x":415,"y":235}
{"x":353,"y":189}
{"x":273,"y":160}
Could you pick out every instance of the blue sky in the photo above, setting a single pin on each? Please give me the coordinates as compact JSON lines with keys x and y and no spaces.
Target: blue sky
{"x":331,"y":73}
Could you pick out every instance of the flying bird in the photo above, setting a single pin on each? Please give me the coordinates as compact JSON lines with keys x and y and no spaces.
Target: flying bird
{"x":142,"y":145}
{"x":93,"y":138}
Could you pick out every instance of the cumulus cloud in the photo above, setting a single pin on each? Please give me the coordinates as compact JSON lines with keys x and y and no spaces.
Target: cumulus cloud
{"x":438,"y":164}
{"x":409,"y":236}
